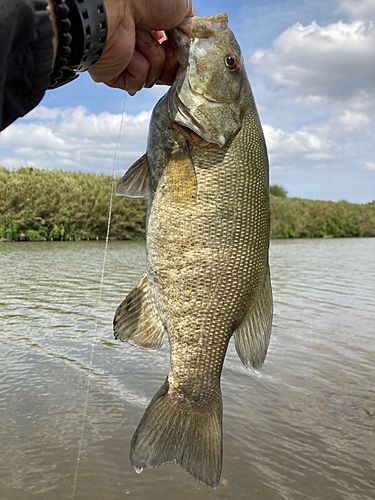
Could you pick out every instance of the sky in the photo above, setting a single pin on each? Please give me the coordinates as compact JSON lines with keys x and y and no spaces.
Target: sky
{"x":312,"y":69}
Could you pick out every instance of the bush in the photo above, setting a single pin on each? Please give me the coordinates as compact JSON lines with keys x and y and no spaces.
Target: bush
{"x":277,"y":190}
{"x":40,"y":205}
{"x":32,"y":235}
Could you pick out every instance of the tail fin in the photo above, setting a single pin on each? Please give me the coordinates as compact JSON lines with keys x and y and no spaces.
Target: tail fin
{"x":170,"y":432}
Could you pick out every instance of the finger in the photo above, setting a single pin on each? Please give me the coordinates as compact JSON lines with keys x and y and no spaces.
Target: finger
{"x":164,"y":14}
{"x":136,"y":73}
{"x":151,"y":49}
{"x":118,"y":82}
{"x":116,"y":56}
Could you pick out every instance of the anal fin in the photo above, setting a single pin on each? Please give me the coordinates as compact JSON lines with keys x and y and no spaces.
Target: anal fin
{"x":253,"y":335}
{"x":137,"y":321}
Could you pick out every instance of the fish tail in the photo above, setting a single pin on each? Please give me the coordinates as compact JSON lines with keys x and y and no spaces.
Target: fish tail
{"x":183,"y":433}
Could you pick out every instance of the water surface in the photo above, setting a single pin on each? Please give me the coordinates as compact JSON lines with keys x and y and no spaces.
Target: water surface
{"x":303,"y":429}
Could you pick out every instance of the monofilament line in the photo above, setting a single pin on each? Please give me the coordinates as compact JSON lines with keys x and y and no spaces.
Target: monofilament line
{"x":99,"y":299}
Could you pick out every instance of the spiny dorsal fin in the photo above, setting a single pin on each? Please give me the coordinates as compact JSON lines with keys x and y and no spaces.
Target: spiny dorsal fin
{"x":135,"y":182}
{"x":137,"y":321}
{"x":253,"y":335}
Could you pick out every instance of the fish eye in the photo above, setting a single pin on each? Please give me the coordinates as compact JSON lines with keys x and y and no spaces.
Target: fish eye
{"x":232,"y":62}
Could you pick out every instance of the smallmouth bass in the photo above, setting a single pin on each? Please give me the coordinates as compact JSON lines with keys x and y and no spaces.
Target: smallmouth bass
{"x":208,"y":227}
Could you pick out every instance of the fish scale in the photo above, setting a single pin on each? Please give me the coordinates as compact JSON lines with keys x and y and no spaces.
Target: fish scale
{"x":208,"y":227}
{"x":220,"y":276}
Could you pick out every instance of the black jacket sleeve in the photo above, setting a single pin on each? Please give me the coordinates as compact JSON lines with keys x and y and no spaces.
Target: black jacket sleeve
{"x":26,"y":55}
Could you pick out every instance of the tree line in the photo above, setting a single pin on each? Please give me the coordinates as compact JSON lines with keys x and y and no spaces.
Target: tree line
{"x":41,"y":205}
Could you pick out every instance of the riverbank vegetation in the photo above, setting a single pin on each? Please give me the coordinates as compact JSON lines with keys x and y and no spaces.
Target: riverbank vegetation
{"x":41,"y":205}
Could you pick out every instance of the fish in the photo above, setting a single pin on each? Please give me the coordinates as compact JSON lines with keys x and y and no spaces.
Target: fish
{"x":206,"y":174}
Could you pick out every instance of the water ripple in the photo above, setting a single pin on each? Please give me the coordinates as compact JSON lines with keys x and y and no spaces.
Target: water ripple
{"x":302,"y":429}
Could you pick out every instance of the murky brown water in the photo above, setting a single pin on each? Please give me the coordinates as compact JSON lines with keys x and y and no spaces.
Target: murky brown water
{"x":303,"y":429}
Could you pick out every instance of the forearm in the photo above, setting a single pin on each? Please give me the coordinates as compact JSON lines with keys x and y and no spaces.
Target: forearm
{"x":118,"y":46}
{"x":26,"y":57}
{"x":29,"y":40}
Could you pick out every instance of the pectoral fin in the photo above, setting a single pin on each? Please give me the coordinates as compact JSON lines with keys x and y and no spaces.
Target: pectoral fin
{"x":137,"y":321}
{"x":135,"y":182}
{"x":253,"y":335}
{"x":181,"y":179}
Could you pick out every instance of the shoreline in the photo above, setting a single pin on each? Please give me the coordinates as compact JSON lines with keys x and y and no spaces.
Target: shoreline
{"x":96,"y":240}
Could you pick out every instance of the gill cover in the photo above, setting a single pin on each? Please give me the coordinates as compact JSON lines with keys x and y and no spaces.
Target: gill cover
{"x":205,"y":96}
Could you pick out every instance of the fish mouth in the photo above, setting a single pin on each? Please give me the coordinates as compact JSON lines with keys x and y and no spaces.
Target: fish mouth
{"x":204,"y":27}
{"x":195,"y":27}
{"x":181,"y":41}
{"x":200,"y":30}
{"x":187,"y":120}
{"x":187,"y":27}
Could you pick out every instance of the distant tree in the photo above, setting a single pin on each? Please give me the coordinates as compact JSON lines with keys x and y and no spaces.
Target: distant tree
{"x":279,"y":191}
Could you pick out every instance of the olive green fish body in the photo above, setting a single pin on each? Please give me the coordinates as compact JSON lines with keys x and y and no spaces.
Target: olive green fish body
{"x":208,"y":226}
{"x":207,"y":242}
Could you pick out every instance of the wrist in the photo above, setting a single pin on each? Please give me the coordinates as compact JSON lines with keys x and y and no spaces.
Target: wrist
{"x":117,"y":11}
{"x":81,"y":28}
{"x":120,"y":40}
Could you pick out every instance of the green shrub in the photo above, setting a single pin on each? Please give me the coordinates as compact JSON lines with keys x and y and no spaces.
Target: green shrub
{"x":39,"y":205}
{"x":277,"y":190}
{"x":33,"y":235}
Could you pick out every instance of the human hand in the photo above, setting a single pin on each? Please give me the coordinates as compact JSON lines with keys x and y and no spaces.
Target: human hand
{"x":134,"y":57}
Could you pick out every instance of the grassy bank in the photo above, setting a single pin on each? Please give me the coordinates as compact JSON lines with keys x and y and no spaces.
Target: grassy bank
{"x":40,"y":205}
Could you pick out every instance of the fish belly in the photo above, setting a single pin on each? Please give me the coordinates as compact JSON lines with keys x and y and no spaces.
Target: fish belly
{"x":207,"y":241}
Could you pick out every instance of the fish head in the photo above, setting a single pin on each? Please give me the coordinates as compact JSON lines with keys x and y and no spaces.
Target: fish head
{"x":205,"y":96}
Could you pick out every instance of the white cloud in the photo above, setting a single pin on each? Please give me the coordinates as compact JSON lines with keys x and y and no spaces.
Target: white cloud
{"x":353,"y":121}
{"x":334,"y":61}
{"x":74,"y":138}
{"x":358,"y":9}
{"x":369,"y":165}
{"x":302,"y":147}
{"x":44,"y":113}
{"x":320,"y":90}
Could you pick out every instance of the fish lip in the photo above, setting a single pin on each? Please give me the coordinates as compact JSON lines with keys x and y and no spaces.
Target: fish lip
{"x":204,"y":27}
{"x":187,"y":27}
{"x":194,"y":27}
{"x":180,"y":41}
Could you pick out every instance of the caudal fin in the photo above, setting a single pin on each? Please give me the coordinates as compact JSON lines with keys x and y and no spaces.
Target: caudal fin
{"x":179,"y":432}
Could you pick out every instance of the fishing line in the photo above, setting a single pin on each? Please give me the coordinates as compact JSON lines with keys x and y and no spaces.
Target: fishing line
{"x":98,"y":303}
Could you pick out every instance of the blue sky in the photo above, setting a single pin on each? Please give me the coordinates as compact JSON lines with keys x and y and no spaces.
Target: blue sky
{"x":312,"y":69}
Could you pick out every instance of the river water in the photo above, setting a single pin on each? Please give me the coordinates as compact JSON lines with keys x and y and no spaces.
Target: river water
{"x":303,"y":429}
